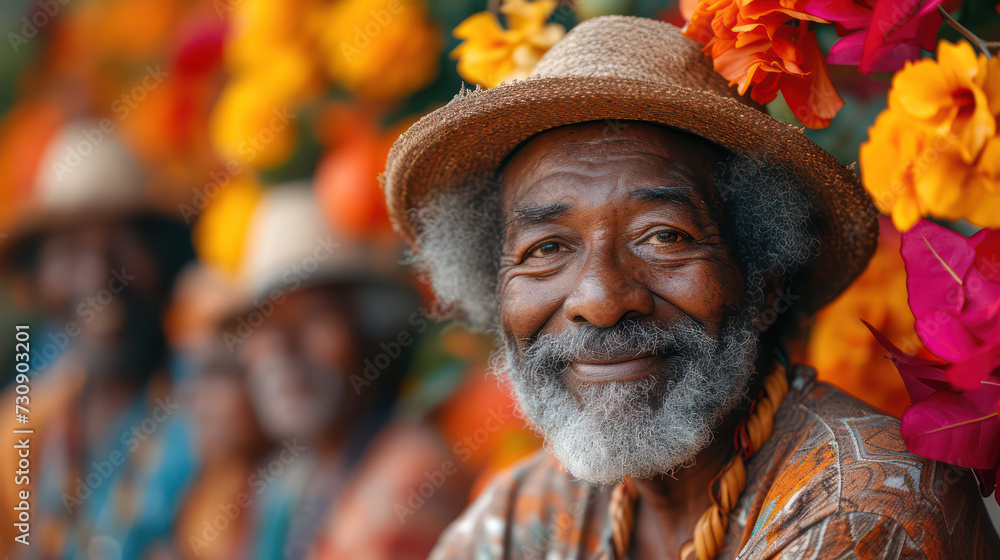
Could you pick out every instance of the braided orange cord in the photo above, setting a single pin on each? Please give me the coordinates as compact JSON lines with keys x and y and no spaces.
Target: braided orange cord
{"x":710,"y":529}
{"x":622,"y":509}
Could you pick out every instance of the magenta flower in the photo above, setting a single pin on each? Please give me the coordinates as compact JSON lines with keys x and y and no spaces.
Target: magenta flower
{"x":955,"y":302}
{"x":879,"y":35}
{"x":945,"y":423}
{"x":953,"y":284}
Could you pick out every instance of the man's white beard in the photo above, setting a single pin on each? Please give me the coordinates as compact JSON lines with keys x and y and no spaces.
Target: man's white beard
{"x":603,"y":432}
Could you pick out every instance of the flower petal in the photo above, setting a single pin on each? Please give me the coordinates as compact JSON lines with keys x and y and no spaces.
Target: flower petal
{"x":891,"y":26}
{"x":847,"y":50}
{"x":988,"y":256}
{"x":921,"y":377}
{"x":812,"y":98}
{"x":921,"y":89}
{"x":970,"y":373}
{"x":945,"y":335}
{"x":958,"y":428}
{"x":987,"y":211}
{"x":936,"y":260}
{"x":948,"y":185}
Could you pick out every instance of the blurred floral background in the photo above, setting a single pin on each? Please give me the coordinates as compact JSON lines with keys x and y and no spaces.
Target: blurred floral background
{"x":212,"y":148}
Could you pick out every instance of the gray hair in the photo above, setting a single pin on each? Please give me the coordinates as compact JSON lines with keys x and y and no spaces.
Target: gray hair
{"x":460,"y":233}
{"x":655,"y":425}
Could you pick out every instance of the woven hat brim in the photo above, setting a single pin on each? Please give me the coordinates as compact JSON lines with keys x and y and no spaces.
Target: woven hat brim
{"x":32,"y":224}
{"x":469,"y":138}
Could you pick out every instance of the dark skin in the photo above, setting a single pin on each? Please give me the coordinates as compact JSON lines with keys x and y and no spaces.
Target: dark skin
{"x":292,"y":360}
{"x":602,"y":229}
{"x":75,"y":266}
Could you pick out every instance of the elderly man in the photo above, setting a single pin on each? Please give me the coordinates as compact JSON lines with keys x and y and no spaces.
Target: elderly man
{"x":642,"y":239}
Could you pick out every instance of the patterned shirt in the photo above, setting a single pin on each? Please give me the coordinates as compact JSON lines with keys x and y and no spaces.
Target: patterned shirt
{"x":833,"y":481}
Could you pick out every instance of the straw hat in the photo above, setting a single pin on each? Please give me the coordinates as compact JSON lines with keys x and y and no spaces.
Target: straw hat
{"x":289,"y":243}
{"x":628,"y":68}
{"x":289,"y":247}
{"x":85,"y":175}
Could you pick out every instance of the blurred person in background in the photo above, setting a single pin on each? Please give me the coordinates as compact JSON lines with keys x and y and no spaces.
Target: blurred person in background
{"x":326,"y":332}
{"x":221,"y":426}
{"x":95,"y":257}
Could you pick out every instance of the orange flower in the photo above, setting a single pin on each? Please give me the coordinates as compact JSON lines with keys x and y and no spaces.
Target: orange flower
{"x":845,"y":353}
{"x":346,"y":182}
{"x":220,"y":232}
{"x":383,"y":50}
{"x":250,"y":123}
{"x":752,"y":47}
{"x":270,"y":57}
{"x":491,"y":54}
{"x":933,"y":151}
{"x":949,"y":95}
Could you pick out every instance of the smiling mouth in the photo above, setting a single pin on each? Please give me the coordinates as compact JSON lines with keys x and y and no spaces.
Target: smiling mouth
{"x":616,"y":369}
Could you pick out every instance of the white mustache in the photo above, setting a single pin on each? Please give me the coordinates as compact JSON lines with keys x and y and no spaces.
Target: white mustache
{"x":627,"y":340}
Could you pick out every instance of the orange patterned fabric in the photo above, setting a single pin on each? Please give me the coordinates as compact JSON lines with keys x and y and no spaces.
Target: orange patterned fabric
{"x":834,"y":480}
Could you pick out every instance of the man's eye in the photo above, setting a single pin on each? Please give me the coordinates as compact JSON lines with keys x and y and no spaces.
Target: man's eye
{"x":665,"y":238}
{"x":548,"y":248}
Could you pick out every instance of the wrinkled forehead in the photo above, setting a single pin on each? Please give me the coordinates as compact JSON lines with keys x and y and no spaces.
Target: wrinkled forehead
{"x":609,"y":153}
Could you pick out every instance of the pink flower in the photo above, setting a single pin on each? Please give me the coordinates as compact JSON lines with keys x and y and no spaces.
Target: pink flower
{"x":955,"y":298}
{"x":953,"y":287}
{"x":945,"y":423}
{"x":898,"y":31}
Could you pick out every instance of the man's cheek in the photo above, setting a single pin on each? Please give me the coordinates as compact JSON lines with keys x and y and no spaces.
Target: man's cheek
{"x":707,"y":292}
{"x":529,"y":306}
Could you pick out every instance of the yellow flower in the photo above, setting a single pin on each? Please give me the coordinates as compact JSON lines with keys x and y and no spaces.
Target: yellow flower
{"x":491,"y":54}
{"x":988,"y":209}
{"x":220,"y":233}
{"x":257,"y":27}
{"x":270,"y":58}
{"x":948,"y":95}
{"x":845,"y":353}
{"x":253,"y":123}
{"x":383,"y":50}
{"x":933,"y":151}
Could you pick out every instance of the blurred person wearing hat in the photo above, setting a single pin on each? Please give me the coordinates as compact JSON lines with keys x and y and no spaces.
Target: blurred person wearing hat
{"x":325,"y":330}
{"x":220,"y":424}
{"x":95,"y":256}
{"x":643,"y":240}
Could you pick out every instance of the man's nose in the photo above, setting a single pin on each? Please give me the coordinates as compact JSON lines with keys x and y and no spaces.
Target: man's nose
{"x":605,"y":292}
